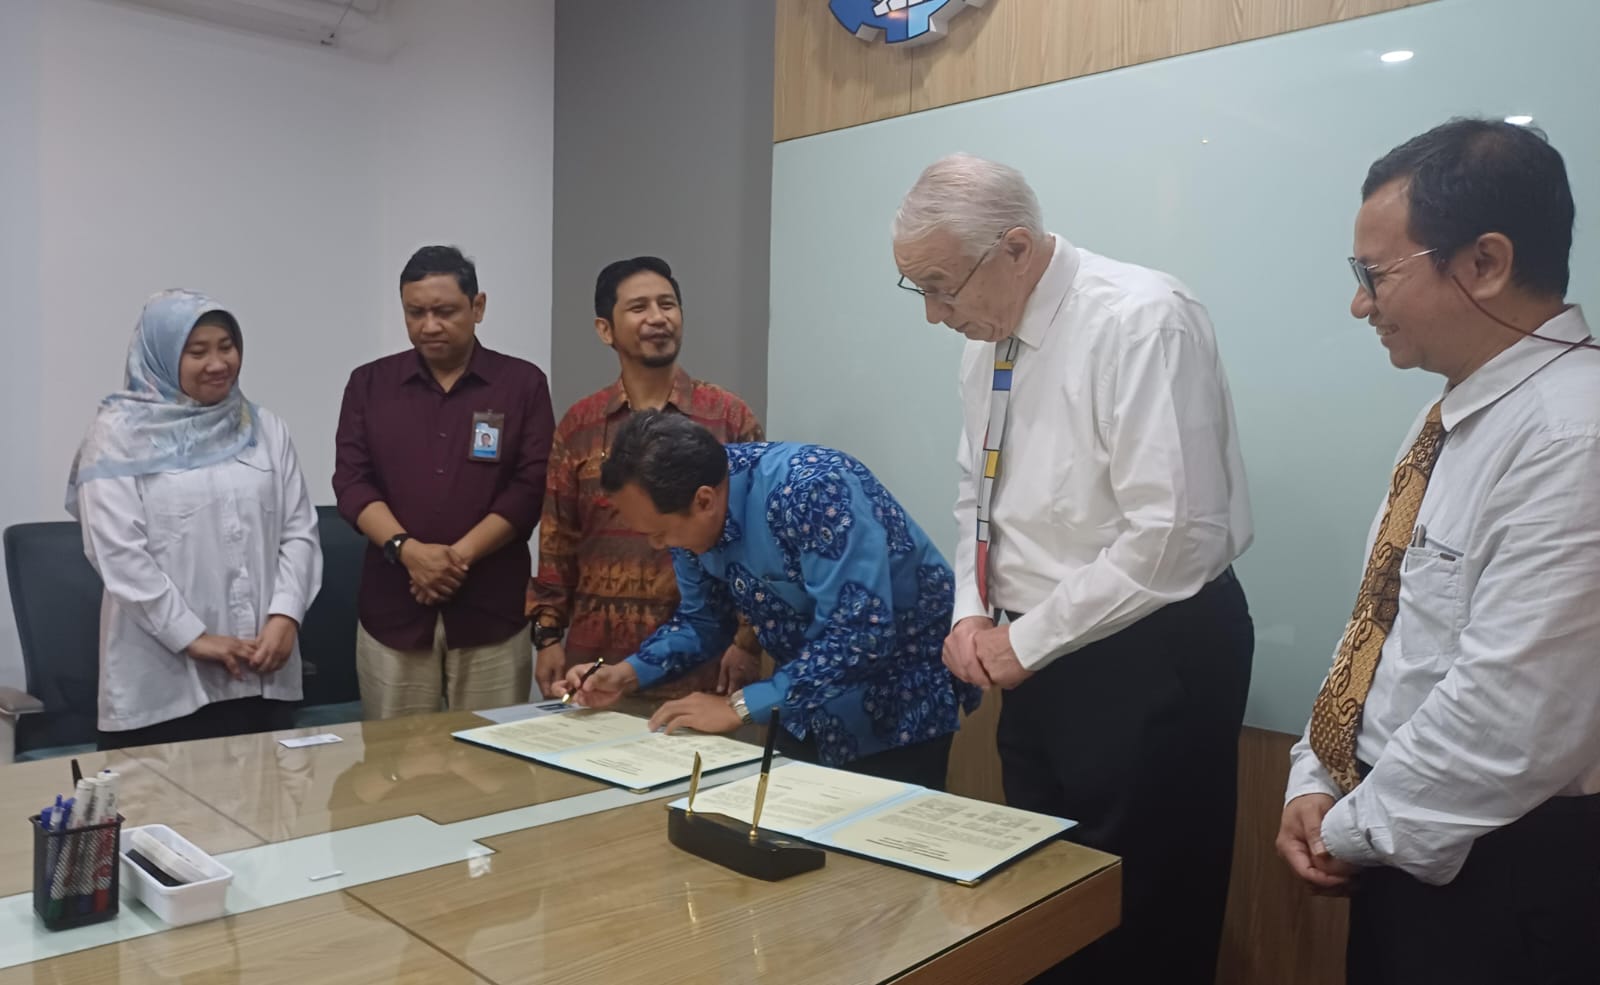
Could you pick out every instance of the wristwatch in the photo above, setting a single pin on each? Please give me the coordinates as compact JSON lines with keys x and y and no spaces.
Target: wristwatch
{"x":391,"y":547}
{"x":546,"y":636}
{"x":736,"y":702}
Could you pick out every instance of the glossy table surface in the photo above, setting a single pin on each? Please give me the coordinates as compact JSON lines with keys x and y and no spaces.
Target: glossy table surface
{"x":564,"y":881}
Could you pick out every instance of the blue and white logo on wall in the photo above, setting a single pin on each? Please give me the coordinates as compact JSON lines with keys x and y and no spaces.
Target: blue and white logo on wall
{"x":898,"y":21}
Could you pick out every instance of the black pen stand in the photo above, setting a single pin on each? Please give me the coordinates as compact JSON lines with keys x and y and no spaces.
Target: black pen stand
{"x":720,"y":839}
{"x":76,"y":874}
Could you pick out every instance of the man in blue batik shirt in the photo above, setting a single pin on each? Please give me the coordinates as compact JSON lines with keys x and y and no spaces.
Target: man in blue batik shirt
{"x":843,"y":589}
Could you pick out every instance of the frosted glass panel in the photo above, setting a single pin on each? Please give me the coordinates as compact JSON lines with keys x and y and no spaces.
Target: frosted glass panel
{"x":1237,"y":170}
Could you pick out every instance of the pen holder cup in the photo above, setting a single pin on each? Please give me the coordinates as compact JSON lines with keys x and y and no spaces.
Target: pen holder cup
{"x":76,"y":878}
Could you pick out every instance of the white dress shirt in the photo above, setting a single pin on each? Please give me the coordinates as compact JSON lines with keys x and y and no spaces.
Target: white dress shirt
{"x":209,"y":550}
{"x":1121,"y":488}
{"x":1486,"y":700}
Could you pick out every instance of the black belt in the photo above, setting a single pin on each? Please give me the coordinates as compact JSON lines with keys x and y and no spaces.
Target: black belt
{"x":1225,"y":578}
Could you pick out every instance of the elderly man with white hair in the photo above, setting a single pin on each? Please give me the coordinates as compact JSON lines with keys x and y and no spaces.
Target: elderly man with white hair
{"x":1101,"y":505}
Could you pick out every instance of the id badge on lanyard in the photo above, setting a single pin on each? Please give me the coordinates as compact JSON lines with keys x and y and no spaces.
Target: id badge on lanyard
{"x":487,"y":429}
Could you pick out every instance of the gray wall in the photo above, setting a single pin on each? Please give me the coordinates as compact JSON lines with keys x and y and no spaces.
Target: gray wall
{"x":663,"y":145}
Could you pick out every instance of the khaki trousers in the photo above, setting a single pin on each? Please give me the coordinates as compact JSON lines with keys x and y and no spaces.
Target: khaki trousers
{"x":416,"y":682}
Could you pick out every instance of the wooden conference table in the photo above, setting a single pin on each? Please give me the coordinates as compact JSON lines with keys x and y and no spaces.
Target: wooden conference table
{"x":591,"y":893}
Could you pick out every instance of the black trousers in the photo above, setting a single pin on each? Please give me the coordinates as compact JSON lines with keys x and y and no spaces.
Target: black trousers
{"x":924,"y":764}
{"x":237,"y":717}
{"x":1136,"y":738}
{"x":1524,"y":910}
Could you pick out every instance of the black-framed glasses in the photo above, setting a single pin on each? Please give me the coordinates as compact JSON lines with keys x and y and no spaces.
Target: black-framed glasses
{"x":1364,"y":271}
{"x":949,"y":297}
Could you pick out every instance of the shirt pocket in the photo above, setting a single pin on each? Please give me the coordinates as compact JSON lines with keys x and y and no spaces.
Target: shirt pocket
{"x":254,"y":481}
{"x":1430,"y":601}
{"x":172,"y":502}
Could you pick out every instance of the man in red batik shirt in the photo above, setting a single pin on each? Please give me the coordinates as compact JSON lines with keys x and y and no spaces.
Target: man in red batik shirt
{"x":601,"y":588}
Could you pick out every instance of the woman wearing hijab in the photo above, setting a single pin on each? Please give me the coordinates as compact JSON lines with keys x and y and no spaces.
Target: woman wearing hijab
{"x":196,"y":515}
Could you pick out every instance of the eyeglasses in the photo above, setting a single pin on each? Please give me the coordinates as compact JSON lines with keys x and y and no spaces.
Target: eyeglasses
{"x":949,"y":297}
{"x":1365,"y":271}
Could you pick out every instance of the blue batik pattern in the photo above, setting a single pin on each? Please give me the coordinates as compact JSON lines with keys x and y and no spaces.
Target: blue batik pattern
{"x":811,"y":512}
{"x":701,"y":628}
{"x":779,"y":626}
{"x":731,"y":533}
{"x":859,"y":632}
{"x":743,"y":457}
{"x":916,"y":700}
{"x":844,"y":591}
{"x":889,"y":514}
{"x":834,"y":739}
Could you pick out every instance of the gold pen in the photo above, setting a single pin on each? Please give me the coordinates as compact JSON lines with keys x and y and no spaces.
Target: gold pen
{"x":566,"y":699}
{"x":694,"y":785}
{"x":766,"y":769}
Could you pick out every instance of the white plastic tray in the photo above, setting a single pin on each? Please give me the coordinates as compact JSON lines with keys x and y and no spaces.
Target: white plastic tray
{"x":176,"y":905}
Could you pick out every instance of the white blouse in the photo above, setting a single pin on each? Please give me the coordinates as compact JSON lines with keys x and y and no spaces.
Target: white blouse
{"x":211,"y":550}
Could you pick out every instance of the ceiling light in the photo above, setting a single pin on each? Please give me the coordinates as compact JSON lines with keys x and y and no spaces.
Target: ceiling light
{"x":1395,"y":57}
{"x":1520,"y":121}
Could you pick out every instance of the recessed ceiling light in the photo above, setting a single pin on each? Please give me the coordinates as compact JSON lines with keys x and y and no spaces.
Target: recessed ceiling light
{"x":1520,"y":121}
{"x":1394,"y":57}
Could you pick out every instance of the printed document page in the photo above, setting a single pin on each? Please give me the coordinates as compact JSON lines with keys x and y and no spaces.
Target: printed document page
{"x":537,"y":737}
{"x":801,"y":798}
{"x":656,"y":758}
{"x":946,"y":835}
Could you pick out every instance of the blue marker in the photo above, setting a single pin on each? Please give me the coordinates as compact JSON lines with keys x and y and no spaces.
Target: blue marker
{"x":46,"y":818}
{"x":58,"y":860}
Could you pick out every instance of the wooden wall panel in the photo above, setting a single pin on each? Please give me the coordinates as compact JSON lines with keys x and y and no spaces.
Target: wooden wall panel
{"x":974,"y":759}
{"x":826,"y":80}
{"x":1275,"y":932}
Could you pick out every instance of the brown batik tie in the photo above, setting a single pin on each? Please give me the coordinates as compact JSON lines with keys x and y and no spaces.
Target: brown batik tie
{"x":1336,"y":715}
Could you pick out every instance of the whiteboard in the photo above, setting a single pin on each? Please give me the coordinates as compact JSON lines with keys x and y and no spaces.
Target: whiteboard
{"x":1237,"y":170}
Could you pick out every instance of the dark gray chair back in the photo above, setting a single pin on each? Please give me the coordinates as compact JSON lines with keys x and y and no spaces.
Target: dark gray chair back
{"x":55,"y":596}
{"x":328,"y":636}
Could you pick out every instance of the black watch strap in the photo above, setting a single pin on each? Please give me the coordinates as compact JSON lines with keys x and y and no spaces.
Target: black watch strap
{"x":391,"y":547}
{"x":546,"y":636}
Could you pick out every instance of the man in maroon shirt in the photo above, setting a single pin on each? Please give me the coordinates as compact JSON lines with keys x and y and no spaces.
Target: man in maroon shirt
{"x":441,"y":460}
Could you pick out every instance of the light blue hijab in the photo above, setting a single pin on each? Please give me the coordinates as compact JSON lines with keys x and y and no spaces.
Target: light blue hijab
{"x":151,"y":425}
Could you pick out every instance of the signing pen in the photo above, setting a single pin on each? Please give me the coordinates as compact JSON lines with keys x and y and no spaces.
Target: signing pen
{"x":567,"y":698}
{"x":766,"y":770}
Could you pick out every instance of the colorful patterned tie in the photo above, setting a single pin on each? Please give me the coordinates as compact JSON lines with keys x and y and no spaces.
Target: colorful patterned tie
{"x":1336,"y":715}
{"x":1005,"y":357}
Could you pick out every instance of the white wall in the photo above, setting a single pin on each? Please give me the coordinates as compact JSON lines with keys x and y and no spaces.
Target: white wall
{"x":469,"y":110}
{"x":139,"y":152}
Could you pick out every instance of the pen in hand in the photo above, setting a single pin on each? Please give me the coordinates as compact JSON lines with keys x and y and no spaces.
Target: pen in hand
{"x":567,"y":698}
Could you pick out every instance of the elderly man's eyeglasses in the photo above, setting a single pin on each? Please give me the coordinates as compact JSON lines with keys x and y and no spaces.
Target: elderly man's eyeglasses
{"x":1364,"y":272}
{"x":949,"y":297}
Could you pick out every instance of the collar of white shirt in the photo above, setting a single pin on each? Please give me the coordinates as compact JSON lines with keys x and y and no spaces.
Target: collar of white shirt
{"x":1049,"y":295}
{"x":1505,"y":372}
